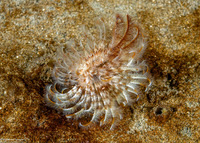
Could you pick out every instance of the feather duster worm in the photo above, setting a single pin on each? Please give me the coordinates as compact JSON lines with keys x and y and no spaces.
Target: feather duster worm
{"x":102,"y":79}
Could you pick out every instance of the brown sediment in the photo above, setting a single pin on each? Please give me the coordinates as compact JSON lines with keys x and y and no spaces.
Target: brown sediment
{"x":173,"y":59}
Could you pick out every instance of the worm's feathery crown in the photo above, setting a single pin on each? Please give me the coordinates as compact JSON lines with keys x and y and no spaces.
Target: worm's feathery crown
{"x":102,"y":79}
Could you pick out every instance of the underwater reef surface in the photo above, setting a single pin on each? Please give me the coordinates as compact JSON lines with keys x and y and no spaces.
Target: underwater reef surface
{"x":32,"y":31}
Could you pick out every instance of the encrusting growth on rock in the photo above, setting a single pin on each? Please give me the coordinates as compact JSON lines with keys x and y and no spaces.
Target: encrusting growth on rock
{"x":104,"y":77}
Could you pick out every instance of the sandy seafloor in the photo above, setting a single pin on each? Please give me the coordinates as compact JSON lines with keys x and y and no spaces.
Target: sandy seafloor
{"x":32,"y":30}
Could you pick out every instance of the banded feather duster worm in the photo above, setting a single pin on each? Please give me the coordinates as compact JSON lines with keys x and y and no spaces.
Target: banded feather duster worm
{"x":102,"y":78}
